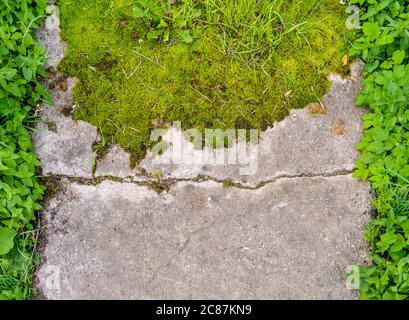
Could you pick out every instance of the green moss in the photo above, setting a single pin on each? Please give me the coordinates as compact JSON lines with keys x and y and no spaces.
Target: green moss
{"x":128,"y":85}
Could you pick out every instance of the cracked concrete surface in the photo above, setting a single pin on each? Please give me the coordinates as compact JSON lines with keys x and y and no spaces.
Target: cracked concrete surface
{"x":292,"y":239}
{"x":287,"y":232}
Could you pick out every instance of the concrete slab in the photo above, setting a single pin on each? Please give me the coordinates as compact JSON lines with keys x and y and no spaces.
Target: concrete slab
{"x":292,"y":239}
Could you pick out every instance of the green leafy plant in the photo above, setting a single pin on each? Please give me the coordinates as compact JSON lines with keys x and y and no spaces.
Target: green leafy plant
{"x":21,"y":58}
{"x":383,"y":43}
{"x":388,"y":276}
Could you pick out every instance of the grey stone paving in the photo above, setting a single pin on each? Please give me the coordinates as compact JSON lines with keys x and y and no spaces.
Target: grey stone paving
{"x":292,"y":238}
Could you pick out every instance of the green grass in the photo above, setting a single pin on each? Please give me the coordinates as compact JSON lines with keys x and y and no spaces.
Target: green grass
{"x":17,"y":268}
{"x":209,"y":64}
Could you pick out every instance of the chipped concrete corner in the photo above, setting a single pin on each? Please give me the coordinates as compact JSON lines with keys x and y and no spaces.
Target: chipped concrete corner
{"x":288,"y":232}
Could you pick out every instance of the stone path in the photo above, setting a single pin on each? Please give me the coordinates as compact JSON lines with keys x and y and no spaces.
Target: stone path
{"x":287,"y":232}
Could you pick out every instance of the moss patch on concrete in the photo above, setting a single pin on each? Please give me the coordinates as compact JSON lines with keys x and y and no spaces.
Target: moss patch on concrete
{"x":129,"y":85}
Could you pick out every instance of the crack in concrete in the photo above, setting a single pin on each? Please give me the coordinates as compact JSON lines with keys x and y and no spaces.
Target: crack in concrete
{"x":160,"y":185}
